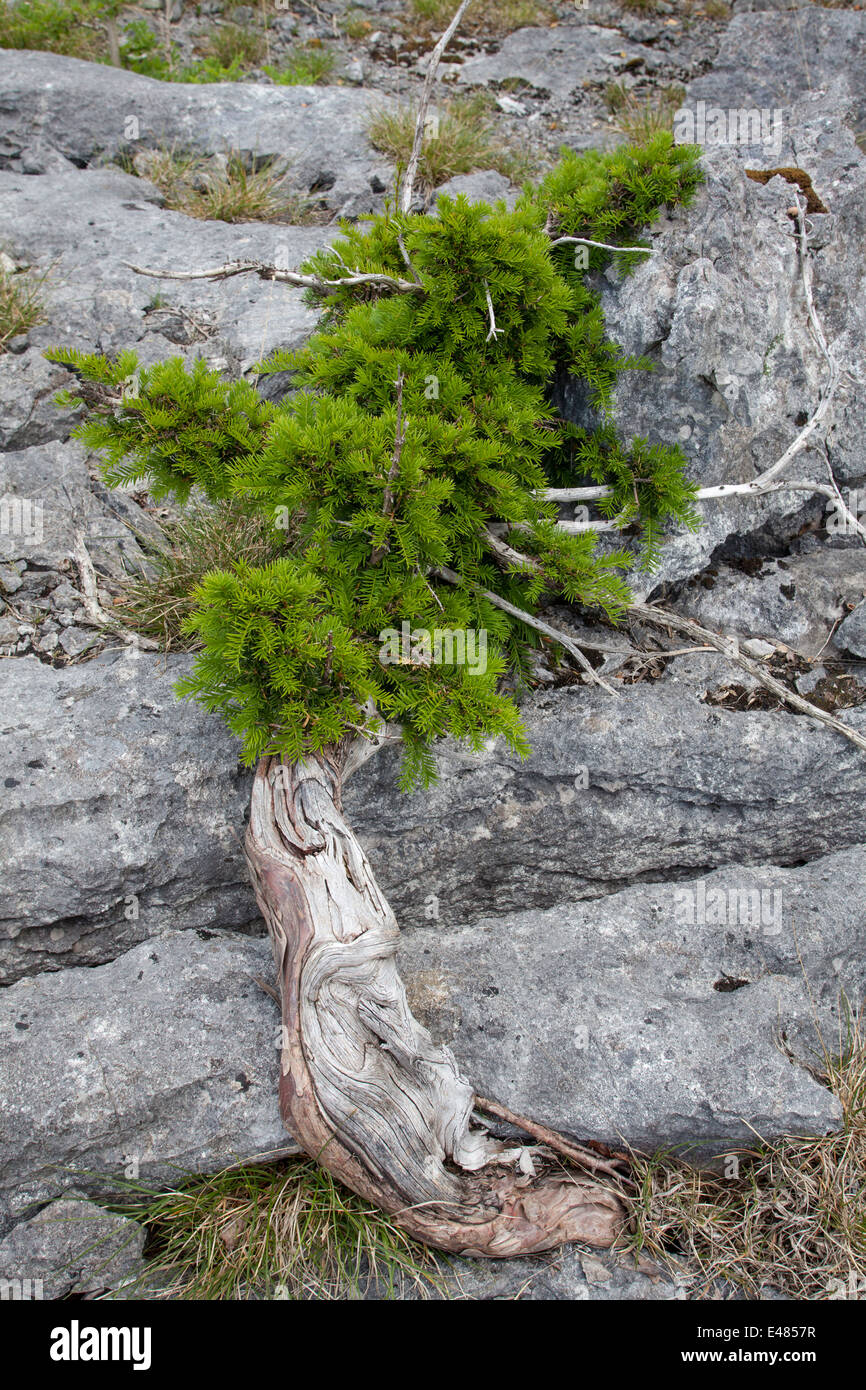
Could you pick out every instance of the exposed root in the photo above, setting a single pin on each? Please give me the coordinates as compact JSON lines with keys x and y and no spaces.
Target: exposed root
{"x":363,"y":1088}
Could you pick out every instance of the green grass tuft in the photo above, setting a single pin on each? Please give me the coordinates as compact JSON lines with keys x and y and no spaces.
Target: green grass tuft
{"x":304,"y":67}
{"x":284,"y":1230}
{"x":75,"y":28}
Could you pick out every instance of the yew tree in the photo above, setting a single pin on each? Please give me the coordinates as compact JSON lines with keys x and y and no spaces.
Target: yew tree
{"x":404,"y":482}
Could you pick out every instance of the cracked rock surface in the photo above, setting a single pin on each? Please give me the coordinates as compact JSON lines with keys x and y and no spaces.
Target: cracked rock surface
{"x":639,"y":934}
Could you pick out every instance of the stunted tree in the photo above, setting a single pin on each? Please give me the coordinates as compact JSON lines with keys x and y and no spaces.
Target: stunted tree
{"x":403,"y":486}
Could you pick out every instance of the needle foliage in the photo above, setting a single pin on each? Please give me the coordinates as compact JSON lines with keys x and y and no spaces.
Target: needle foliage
{"x":417,"y":421}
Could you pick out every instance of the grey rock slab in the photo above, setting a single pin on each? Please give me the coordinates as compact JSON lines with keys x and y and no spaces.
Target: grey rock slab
{"x":28,"y":413}
{"x":556,"y":61}
{"x":851,"y":635}
{"x":47,"y":493}
{"x":663,"y":1015}
{"x":770,"y":57}
{"x":72,"y":1247}
{"x":75,"y":641}
{"x":160,"y":1064}
{"x":718,"y":308}
{"x":487,"y":186}
{"x":88,"y":227}
{"x":10,"y":577}
{"x":797,"y":600}
{"x":646,"y":785}
{"x":124,"y":807}
{"x":123,"y":810}
{"x":566,"y":1276}
{"x":90,"y":111}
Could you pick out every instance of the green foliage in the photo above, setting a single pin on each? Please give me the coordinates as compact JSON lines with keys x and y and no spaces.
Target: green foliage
{"x":142,"y":51}
{"x":612,"y":197}
{"x":648,"y":482}
{"x":177,"y":429}
{"x":78,"y":29}
{"x":145,"y":52}
{"x":303,"y":67}
{"x":73,"y":27}
{"x":413,"y":429}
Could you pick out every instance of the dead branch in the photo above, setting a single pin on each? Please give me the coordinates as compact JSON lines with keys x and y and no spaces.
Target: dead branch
{"x":602,"y":245}
{"x":569,"y":1148}
{"x":729,"y":647}
{"x":405,"y":254}
{"x":561,"y":638}
{"x":663,"y":618}
{"x":288,"y":277}
{"x":494,"y":331}
{"x":96,"y":614}
{"x":432,"y":68}
{"x":507,"y":555}
{"x":768,"y":481}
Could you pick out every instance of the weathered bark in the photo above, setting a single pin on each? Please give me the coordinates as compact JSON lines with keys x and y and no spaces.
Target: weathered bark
{"x":363,"y":1088}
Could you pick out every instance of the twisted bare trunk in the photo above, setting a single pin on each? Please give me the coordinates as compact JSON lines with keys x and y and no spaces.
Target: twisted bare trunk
{"x":363,"y":1088}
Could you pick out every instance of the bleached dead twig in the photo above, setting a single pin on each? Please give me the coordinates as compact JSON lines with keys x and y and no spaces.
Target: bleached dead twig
{"x":288,"y":277}
{"x":602,"y":245}
{"x":769,"y":480}
{"x":661,"y":617}
{"x":405,"y":254}
{"x":765,"y":482}
{"x":506,"y":554}
{"x":418,"y":141}
{"x":494,"y":331}
{"x":96,"y":614}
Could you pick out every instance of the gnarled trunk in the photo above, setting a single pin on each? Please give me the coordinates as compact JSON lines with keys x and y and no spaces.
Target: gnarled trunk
{"x":363,"y":1088}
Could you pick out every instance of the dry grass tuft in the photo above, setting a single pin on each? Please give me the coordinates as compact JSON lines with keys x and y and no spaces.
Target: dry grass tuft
{"x":197,"y":541}
{"x":640,"y":120}
{"x":232,"y":193}
{"x":485,"y":16}
{"x":231,"y":44}
{"x":21,"y":305}
{"x":792,"y":1219}
{"x":461,"y":140}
